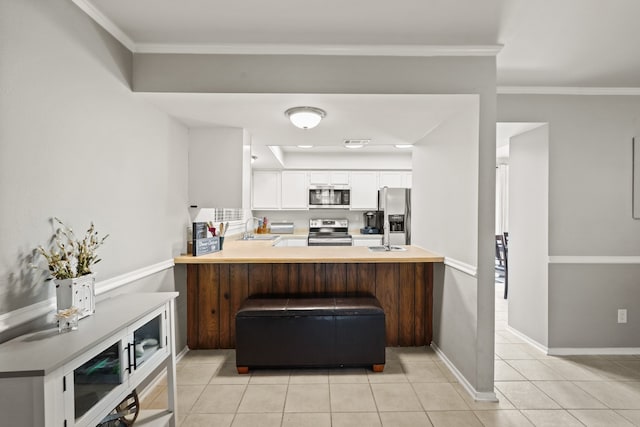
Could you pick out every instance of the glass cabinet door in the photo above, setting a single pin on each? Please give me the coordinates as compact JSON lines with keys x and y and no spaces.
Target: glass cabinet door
{"x":147,"y":341}
{"x":96,"y":378}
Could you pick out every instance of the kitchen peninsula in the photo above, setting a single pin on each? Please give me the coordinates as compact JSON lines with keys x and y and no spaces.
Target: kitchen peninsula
{"x":218,"y":283}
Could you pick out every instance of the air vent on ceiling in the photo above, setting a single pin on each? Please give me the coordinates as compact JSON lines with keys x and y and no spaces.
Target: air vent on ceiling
{"x":356,"y":143}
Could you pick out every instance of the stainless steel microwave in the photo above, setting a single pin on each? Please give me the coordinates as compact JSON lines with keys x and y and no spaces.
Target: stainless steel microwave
{"x":329,"y":197}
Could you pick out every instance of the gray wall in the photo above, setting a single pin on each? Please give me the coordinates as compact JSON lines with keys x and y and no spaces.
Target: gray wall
{"x":216,"y":163}
{"x":589,"y":214}
{"x":378,"y":75}
{"x":529,"y":233}
{"x":76,"y":143}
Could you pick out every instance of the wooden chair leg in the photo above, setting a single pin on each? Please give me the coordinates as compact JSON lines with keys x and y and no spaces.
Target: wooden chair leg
{"x":378,"y":368}
{"x":243,"y":370}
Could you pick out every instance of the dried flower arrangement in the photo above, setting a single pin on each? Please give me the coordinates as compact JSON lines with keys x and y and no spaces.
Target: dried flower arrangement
{"x":72,"y":257}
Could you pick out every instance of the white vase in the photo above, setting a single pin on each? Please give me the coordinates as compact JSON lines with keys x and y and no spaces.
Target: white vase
{"x":77,"y":292}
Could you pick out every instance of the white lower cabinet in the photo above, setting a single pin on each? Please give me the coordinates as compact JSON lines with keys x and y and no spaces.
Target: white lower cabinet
{"x":367,"y":241}
{"x":79,"y":377}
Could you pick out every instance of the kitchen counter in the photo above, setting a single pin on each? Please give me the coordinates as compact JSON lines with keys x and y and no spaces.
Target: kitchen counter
{"x":218,"y":284}
{"x":263,"y":251}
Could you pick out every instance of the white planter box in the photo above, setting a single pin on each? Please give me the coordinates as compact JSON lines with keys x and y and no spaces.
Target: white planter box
{"x":77,"y":292}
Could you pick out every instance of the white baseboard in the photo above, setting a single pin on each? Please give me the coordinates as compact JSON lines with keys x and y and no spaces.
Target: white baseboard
{"x":596,"y":351}
{"x":43,"y":308}
{"x":575,"y":351}
{"x":476,"y":395}
{"x":528,"y":340}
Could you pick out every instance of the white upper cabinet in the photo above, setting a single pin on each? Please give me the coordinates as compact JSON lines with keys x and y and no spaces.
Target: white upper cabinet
{"x":407,"y":179}
{"x":329,"y":178}
{"x":294,"y":190}
{"x":391,"y":179}
{"x":364,"y":190}
{"x":266,"y":190}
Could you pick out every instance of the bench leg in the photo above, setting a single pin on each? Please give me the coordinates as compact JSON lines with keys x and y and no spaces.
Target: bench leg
{"x":378,"y":368}
{"x":243,"y":370}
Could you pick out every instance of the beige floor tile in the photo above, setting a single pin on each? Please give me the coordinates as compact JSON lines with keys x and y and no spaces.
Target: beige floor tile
{"x":257,"y":420}
{"x":415,"y":354}
{"x":151,"y":395}
{"x":207,"y":420}
{"x":186,"y":396}
{"x":572,"y":370}
{"x":351,"y":398}
{"x":616,"y":395}
{"x":393,"y":373}
{"x":307,"y":420}
{"x":569,"y":395}
{"x":228,"y":374}
{"x":551,"y":418}
{"x":613,"y":370}
{"x":354,"y":419}
{"x":481,"y":405}
{"x":307,"y":398}
{"x":196,"y":373}
{"x":513,"y":352}
{"x":503,"y":418}
{"x":632,"y":415}
{"x":439,"y":397}
{"x":350,"y":375}
{"x":309,"y":376}
{"x":217,"y":357}
{"x":446,"y":371}
{"x":395,"y":397}
{"x":503,"y":371}
{"x":263,"y":398}
{"x":218,"y":399}
{"x":600,"y":418}
{"x":270,"y":376}
{"x":633,"y":365}
{"x":454,"y":419}
{"x":427,"y":372}
{"x":405,"y":419}
{"x":524,"y":395}
{"x":535,"y":370}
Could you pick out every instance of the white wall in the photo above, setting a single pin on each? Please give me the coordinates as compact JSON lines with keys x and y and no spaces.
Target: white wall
{"x":216,"y":159}
{"x":594,"y":243}
{"x":529,"y":233}
{"x":76,"y":143}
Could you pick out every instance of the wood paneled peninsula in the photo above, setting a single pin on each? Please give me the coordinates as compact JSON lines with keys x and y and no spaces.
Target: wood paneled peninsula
{"x":218,"y":283}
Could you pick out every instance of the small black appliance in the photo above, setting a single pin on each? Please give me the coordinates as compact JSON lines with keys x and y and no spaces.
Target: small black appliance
{"x":372,"y":222}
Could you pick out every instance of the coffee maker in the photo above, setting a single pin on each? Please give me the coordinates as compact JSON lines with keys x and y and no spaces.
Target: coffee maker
{"x":373,"y":222}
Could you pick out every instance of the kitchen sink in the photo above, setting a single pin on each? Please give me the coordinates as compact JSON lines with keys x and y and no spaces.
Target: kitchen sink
{"x":263,"y":237}
{"x":385,"y":249}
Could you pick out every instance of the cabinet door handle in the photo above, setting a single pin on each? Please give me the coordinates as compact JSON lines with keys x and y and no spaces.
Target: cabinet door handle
{"x":129,"y":357}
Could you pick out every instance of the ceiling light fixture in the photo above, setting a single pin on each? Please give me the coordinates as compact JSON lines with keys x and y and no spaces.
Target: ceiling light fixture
{"x":355,"y":143}
{"x":305,"y":146}
{"x":403,"y":145}
{"x":305,"y":117}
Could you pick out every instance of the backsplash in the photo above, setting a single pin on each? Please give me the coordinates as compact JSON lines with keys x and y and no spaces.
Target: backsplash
{"x":300,"y":219}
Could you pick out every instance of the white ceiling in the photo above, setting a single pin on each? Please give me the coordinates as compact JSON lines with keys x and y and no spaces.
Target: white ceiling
{"x":585,"y":43}
{"x":545,"y":43}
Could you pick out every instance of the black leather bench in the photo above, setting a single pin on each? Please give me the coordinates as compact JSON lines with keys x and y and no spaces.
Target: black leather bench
{"x":310,"y":332}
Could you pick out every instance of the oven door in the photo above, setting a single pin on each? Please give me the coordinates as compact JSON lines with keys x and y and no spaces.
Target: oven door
{"x":330,"y":241}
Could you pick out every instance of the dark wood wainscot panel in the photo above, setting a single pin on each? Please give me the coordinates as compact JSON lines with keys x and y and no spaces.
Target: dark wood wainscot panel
{"x":215,"y":292}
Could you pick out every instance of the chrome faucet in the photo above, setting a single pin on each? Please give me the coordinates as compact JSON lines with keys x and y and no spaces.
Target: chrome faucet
{"x":247,"y":235}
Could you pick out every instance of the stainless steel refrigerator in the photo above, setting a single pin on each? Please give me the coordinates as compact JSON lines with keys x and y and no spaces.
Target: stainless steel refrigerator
{"x":396,"y":205}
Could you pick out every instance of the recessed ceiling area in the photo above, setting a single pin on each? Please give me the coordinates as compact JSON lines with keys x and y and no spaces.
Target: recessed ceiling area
{"x":385,"y":120}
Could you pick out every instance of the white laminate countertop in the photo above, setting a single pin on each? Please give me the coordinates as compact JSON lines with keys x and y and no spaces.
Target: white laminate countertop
{"x":263,"y":251}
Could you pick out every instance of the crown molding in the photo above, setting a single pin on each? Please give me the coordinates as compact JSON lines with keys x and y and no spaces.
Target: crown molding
{"x":566,"y":90}
{"x":108,"y":25}
{"x":320,"y":49}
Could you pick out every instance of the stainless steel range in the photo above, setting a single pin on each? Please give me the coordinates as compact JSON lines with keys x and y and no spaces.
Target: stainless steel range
{"x":329,"y":232}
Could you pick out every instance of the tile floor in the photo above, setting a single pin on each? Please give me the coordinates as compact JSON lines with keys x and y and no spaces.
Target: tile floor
{"x":415,"y":389}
